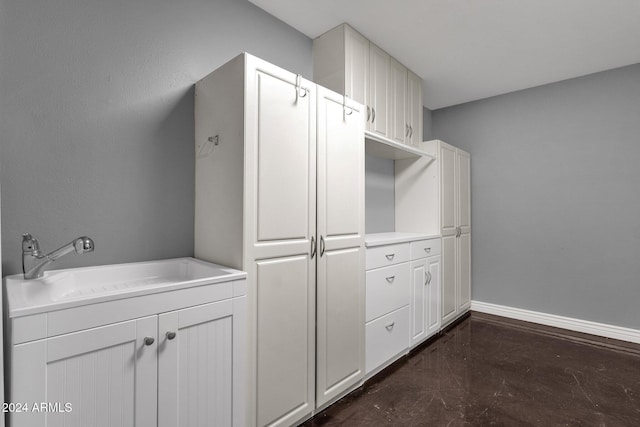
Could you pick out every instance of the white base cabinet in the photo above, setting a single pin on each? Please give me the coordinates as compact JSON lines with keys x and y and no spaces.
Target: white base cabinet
{"x":425,"y":289}
{"x":183,"y":367}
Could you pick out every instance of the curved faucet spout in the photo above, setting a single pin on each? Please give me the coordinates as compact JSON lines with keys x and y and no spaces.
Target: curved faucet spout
{"x":34,"y":263}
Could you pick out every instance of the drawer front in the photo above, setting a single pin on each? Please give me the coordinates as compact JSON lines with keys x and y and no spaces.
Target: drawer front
{"x":386,"y":337}
{"x":388,"y":289}
{"x":425,"y":248}
{"x":381,"y":256}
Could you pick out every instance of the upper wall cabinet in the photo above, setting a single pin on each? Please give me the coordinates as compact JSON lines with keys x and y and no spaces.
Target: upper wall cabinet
{"x":346,"y":62}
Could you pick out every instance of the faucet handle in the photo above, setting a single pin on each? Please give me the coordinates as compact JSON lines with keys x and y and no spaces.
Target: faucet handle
{"x":30,"y":244}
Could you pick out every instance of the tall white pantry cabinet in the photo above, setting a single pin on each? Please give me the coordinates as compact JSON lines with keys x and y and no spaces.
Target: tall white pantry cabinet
{"x":455,"y":228}
{"x":280,"y":194}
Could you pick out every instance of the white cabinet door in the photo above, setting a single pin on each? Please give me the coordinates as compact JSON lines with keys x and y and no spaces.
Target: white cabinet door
{"x":108,"y":375}
{"x":448,"y":188}
{"x":340,"y":256}
{"x":433,"y":295}
{"x":463,"y":256}
{"x":356,"y":67}
{"x":280,"y":219}
{"x":463,"y":167}
{"x":195,"y":367}
{"x":448,"y":284}
{"x":419,"y":300}
{"x":414,"y":108}
{"x":285,"y":339}
{"x":398,"y":124}
{"x":379,"y":64}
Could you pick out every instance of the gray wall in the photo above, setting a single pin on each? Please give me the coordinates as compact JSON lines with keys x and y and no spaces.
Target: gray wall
{"x":96,"y":117}
{"x":427,"y":124}
{"x":555,"y":199}
{"x":380,"y":213}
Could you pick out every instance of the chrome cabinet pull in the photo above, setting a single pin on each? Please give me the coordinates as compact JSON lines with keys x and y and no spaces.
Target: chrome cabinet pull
{"x":390,"y":279}
{"x":299,"y":88}
{"x":148,"y":340}
{"x":411,"y":131}
{"x":426,"y":278}
{"x":406,"y":130}
{"x":430,"y":277}
{"x":321,"y":246}
{"x":390,"y":326}
{"x":368,"y":113}
{"x":390,"y":256}
{"x":427,"y":250}
{"x":171,"y":335}
{"x":373,"y":115}
{"x":313,"y":246}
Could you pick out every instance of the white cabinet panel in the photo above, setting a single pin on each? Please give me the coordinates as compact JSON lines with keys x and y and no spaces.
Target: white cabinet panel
{"x":448,"y":296}
{"x":448,"y":186}
{"x":196,"y":369}
{"x":379,"y":64}
{"x":286,"y":339}
{"x":433,"y":295}
{"x":419,"y":301}
{"x":387,"y":337}
{"x":340,"y":324}
{"x":399,"y":127}
{"x":414,"y":109}
{"x":464,"y":272}
{"x":464,"y":191}
{"x":388,"y":289}
{"x":356,"y":66}
{"x":106,"y":374}
{"x":283,"y":160}
{"x":340,"y":257}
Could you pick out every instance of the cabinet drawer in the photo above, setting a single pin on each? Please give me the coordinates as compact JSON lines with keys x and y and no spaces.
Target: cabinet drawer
{"x":386,"y":337}
{"x":425,"y":248}
{"x":382,"y":256}
{"x":388,"y":289}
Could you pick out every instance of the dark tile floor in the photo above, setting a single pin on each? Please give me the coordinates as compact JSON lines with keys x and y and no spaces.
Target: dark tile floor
{"x":491,"y":371}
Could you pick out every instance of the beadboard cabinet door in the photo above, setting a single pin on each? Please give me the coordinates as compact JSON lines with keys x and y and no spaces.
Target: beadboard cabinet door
{"x":108,"y":375}
{"x":196,"y":369}
{"x":340,"y":256}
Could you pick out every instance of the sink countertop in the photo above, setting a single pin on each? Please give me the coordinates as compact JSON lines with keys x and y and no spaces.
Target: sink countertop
{"x":55,"y":291}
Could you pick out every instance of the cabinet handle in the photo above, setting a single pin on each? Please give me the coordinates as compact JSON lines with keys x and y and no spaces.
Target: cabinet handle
{"x":427,"y":250}
{"x":430,"y":277}
{"x":390,"y":326}
{"x":406,"y":130}
{"x":390,"y":279}
{"x":148,"y":340}
{"x":313,"y":246}
{"x":171,"y":335}
{"x":321,"y":246}
{"x":426,"y":278}
{"x":390,"y":256}
{"x":373,"y":115}
{"x":410,"y":131}
{"x":368,"y":113}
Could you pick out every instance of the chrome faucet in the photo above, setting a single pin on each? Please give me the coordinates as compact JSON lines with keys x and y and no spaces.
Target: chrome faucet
{"x":33,"y":262}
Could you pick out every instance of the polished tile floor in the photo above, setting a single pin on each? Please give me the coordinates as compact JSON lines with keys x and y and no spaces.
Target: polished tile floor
{"x":491,"y":371}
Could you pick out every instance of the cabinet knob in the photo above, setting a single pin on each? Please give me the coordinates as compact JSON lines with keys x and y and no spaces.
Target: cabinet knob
{"x":149,"y":340}
{"x":171,"y":335}
{"x":390,"y":278}
{"x":390,"y":326}
{"x":390,"y":256}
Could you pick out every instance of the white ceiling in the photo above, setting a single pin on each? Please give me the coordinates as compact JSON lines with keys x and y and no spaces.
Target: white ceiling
{"x":472,"y":49}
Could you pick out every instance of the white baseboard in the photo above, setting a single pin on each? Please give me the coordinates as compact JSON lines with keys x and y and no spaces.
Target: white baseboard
{"x":578,"y":325}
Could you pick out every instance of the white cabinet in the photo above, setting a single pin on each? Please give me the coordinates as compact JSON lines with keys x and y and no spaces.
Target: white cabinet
{"x":425,"y":289}
{"x":182,"y":367}
{"x":398,"y":102}
{"x":455,"y":203}
{"x":346,"y":62}
{"x":414,"y":109}
{"x":280,"y":162}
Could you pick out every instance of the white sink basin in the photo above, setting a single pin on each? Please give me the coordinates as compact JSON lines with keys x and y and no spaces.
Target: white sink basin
{"x":59,"y":289}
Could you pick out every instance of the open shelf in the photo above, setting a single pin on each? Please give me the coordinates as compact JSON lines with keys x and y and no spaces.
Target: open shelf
{"x":379,"y":146}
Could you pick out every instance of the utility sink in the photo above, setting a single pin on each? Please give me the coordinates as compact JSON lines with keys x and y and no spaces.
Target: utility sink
{"x":59,"y":289}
